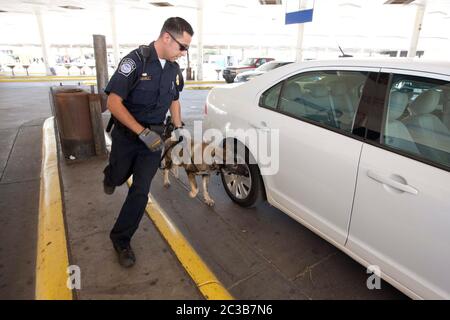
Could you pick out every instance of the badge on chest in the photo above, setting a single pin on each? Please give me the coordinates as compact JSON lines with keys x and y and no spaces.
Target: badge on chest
{"x":146,"y":76}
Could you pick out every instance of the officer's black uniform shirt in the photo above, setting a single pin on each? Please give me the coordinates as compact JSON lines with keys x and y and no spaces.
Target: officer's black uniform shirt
{"x":151,"y":98}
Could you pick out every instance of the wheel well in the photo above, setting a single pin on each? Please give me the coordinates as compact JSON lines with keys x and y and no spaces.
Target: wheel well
{"x":251,"y":157}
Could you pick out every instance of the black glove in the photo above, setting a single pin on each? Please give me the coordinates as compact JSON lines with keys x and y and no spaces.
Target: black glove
{"x":151,"y":139}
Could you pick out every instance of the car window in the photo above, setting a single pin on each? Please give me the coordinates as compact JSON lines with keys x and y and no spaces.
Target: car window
{"x":249,"y":62}
{"x":417,"y":119}
{"x":269,"y":99}
{"x":327,"y":97}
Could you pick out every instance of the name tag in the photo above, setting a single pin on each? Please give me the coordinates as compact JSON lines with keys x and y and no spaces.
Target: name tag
{"x":145,"y":76}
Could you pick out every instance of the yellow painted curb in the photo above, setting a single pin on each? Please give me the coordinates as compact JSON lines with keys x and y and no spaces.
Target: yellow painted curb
{"x":206,"y":281}
{"x":199,"y":88}
{"x":45,"y":78}
{"x":52,"y":258}
{"x":204,"y":82}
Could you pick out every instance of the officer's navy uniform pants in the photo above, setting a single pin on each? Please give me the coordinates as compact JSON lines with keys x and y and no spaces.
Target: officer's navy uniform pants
{"x":129,"y":156}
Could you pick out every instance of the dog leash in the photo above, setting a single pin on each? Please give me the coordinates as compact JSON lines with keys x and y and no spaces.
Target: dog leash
{"x":180,"y":139}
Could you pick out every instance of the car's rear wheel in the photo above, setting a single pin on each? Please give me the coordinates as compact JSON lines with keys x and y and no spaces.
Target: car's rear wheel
{"x":243,"y":182}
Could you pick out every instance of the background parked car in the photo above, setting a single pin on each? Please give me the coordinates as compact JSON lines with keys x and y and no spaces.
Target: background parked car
{"x":364,"y":159}
{"x":248,"y":75}
{"x":248,"y":64}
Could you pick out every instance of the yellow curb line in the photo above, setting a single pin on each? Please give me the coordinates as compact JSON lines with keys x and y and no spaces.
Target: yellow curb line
{"x":45,"y":79}
{"x":210,"y":287}
{"x":199,"y":88}
{"x":207,"y":283}
{"x":52,"y":256}
{"x":204,"y":82}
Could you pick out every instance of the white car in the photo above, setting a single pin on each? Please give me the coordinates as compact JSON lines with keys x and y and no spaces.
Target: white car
{"x":364,"y":159}
{"x":266,"y":67}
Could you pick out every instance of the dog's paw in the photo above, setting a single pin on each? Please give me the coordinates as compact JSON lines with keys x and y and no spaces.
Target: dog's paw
{"x":209,"y":202}
{"x":193,"y":193}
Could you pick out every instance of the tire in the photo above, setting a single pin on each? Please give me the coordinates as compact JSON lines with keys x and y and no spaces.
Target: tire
{"x":229,"y":80}
{"x":245,"y":190}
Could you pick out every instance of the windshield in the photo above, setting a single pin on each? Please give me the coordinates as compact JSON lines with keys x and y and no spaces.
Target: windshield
{"x":268,"y":66}
{"x":248,"y":62}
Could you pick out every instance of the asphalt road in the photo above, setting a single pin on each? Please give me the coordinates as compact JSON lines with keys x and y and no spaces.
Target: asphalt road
{"x":261,"y":253}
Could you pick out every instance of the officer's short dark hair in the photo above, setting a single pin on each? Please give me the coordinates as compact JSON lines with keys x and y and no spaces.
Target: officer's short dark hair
{"x":176,"y":26}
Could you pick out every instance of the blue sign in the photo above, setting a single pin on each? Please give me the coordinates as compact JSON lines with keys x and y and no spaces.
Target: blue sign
{"x":301,"y":16}
{"x":299,"y":11}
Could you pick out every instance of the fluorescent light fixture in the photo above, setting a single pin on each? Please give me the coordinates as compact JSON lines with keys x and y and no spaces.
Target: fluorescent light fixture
{"x":71,"y":7}
{"x":161,"y":4}
{"x":398,"y":1}
{"x":350,"y":4}
{"x":239,"y":6}
{"x":269,"y":2}
{"x":438,"y":12}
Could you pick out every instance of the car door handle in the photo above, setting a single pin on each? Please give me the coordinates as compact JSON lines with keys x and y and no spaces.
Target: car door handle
{"x":392,"y":183}
{"x":263,"y":126}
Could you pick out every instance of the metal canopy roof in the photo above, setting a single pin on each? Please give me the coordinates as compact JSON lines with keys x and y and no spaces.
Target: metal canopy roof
{"x":354,"y":24}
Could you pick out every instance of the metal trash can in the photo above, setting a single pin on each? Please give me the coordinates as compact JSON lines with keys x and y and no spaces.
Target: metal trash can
{"x":71,"y":108}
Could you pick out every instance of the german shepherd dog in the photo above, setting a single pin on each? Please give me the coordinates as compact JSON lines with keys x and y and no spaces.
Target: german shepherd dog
{"x":192,"y":170}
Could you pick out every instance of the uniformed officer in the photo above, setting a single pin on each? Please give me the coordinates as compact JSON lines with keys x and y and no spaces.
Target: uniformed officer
{"x":144,"y":87}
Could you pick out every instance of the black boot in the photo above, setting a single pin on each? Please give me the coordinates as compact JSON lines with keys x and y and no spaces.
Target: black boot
{"x":108,"y":189}
{"x":126,"y":256}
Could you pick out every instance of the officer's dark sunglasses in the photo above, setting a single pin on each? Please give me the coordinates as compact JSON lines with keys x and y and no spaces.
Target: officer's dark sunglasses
{"x":183,"y":47}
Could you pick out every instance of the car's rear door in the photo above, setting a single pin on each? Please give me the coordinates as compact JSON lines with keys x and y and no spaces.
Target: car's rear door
{"x":401,"y":215}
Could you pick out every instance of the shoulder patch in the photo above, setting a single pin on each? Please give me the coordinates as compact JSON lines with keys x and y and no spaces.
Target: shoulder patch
{"x":127,"y":66}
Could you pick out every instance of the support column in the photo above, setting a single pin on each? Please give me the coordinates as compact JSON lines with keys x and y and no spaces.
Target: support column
{"x":115,"y":43}
{"x":101,"y":62}
{"x":416,"y":31}
{"x":300,"y":31}
{"x":44,"y":45}
{"x":200,"y":40}
{"x":299,"y":46}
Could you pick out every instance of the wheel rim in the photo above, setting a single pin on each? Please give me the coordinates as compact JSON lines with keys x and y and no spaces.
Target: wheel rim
{"x":239,"y":186}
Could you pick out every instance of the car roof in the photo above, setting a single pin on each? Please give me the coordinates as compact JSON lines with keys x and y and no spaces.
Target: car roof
{"x":442,"y":67}
{"x":278,"y":61}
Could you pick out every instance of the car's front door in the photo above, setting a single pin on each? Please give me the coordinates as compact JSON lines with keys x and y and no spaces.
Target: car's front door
{"x":318,"y":159}
{"x":401,"y":215}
